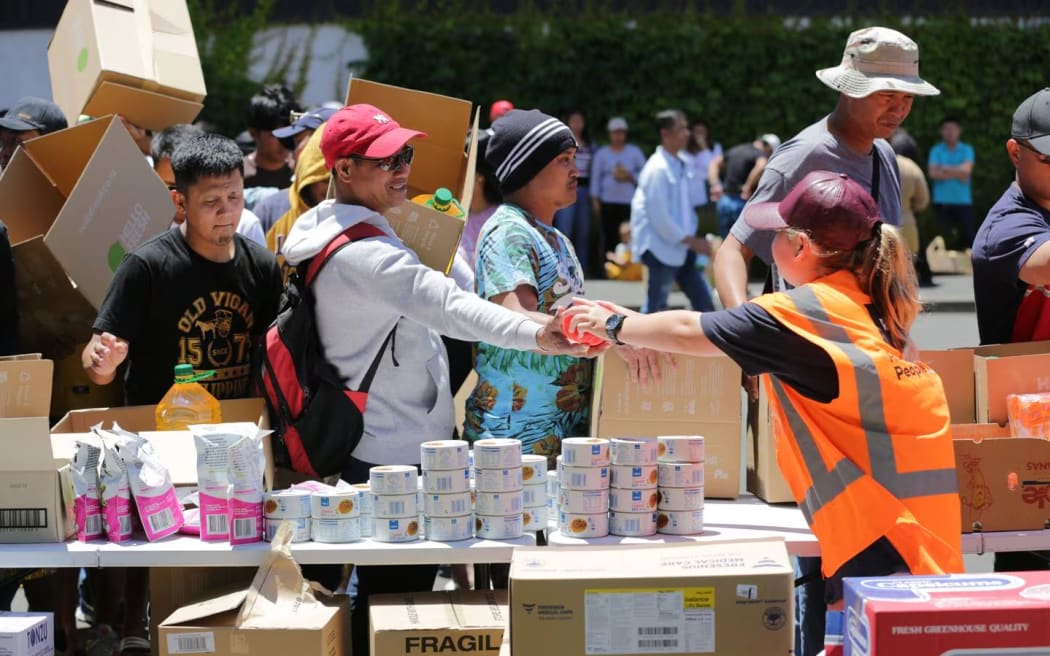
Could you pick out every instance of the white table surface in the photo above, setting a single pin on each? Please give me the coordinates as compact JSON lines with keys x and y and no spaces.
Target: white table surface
{"x":750,"y":517}
{"x":68,"y":554}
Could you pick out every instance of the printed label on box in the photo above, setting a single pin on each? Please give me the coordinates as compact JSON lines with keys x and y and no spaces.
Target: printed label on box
{"x":650,"y":621}
{"x":192,"y":643}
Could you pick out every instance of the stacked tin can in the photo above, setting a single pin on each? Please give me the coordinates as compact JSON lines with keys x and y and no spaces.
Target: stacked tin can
{"x":534,"y":492}
{"x":445,"y":491}
{"x":680,"y":509}
{"x":367,"y":508}
{"x":395,"y":505}
{"x":287,"y":506}
{"x":498,"y":483}
{"x":583,"y":480}
{"x":335,"y":515}
{"x":633,"y":492}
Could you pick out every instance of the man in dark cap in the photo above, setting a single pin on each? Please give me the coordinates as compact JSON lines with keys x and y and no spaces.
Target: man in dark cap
{"x":27,"y":119}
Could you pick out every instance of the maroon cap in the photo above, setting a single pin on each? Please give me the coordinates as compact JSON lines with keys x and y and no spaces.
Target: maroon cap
{"x":837,"y":212}
{"x":365,"y":131}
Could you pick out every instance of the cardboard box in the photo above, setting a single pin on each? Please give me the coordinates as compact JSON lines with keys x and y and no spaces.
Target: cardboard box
{"x":469,"y":621}
{"x":75,"y":201}
{"x":1004,"y":482}
{"x":955,"y":367}
{"x":27,"y":634}
{"x":137,"y":58}
{"x":36,"y":496}
{"x":171,"y":588}
{"x":957,"y":615}
{"x":278,"y":614}
{"x":175,"y":448}
{"x":764,"y":479}
{"x":701,"y":396}
{"x":25,"y":386}
{"x":722,"y":598}
{"x":440,"y":161}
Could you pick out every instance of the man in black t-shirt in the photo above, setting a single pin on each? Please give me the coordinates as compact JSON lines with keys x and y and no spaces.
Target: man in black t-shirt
{"x":743,"y":166}
{"x":199,"y":294}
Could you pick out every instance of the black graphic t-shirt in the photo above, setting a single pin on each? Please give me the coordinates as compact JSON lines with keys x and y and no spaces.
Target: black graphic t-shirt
{"x":174,"y":306}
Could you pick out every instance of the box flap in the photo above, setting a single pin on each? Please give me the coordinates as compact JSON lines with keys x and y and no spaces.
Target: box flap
{"x":708,"y":559}
{"x":53,"y":314}
{"x":955,"y":367}
{"x":432,"y":235}
{"x":138,"y":418}
{"x":118,"y":202}
{"x":998,"y":377}
{"x":412,"y":612}
{"x":64,"y":155}
{"x":466,"y":195}
{"x":25,"y":387}
{"x":1017,"y":348}
{"x":480,"y":609}
{"x":29,"y":202}
{"x":24,"y":444}
{"x":205,"y":609}
{"x":440,"y":160}
{"x":701,"y":389}
{"x":153,"y":109}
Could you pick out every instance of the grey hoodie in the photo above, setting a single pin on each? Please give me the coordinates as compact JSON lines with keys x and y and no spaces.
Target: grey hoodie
{"x":367,"y":288}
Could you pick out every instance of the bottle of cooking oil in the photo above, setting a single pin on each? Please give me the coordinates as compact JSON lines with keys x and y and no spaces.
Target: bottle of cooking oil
{"x":443,"y":201}
{"x":187,"y":402}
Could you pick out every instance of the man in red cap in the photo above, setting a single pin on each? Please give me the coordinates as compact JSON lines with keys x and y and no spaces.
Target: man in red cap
{"x":375,"y":288}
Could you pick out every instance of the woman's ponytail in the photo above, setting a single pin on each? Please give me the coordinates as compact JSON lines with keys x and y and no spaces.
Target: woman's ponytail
{"x":888,"y":276}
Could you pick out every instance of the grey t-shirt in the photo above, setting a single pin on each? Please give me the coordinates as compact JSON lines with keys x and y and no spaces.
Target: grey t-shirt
{"x":816,"y":149}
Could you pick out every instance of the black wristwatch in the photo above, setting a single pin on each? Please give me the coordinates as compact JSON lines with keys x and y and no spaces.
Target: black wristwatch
{"x":612,"y":327}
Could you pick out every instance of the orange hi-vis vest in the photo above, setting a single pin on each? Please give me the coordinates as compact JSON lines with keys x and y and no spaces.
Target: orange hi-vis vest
{"x":878,"y":459}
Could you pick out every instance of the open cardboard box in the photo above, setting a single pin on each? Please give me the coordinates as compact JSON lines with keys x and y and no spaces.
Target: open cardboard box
{"x":175,"y":449}
{"x":1004,"y":481}
{"x":440,"y":161}
{"x":955,"y":368}
{"x":75,"y":202}
{"x":700,"y":396}
{"x":1005,"y":369}
{"x":36,"y":500}
{"x":137,"y":58}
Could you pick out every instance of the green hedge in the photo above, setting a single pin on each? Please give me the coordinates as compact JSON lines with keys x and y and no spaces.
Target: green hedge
{"x":744,"y":75}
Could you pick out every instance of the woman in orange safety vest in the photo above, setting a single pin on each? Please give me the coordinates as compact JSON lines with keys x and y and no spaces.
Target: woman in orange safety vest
{"x":862,"y":428}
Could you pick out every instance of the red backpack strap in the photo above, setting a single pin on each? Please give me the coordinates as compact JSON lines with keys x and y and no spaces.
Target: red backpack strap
{"x":354,"y":233}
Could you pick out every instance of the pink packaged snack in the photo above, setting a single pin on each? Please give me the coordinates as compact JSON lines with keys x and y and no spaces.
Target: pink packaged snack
{"x":151,"y":488}
{"x":113,"y":489}
{"x":86,"y":507}
{"x":213,"y":442}
{"x":247,"y":463}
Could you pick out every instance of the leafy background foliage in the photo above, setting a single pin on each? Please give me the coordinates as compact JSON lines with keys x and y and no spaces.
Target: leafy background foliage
{"x":744,"y":74}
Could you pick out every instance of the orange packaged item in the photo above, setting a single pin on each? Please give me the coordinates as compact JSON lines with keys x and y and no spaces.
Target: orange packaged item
{"x":1029,"y":415}
{"x":187,"y":402}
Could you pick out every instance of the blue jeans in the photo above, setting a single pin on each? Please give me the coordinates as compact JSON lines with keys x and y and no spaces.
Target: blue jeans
{"x":728,"y":210}
{"x":688,"y":277}
{"x":810,"y":609}
{"x":574,"y":222}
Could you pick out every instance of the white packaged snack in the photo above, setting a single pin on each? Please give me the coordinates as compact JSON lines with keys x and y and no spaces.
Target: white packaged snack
{"x":300,"y":528}
{"x":585,"y":452}
{"x":498,"y":527}
{"x":584,"y":478}
{"x":534,"y":496}
{"x":533,"y":469}
{"x":397,"y":529}
{"x":580,"y":525}
{"x":681,"y":498}
{"x":633,"y":477}
{"x":449,"y":529}
{"x":441,"y":481}
{"x":633,"y":451}
{"x":446,"y":505}
{"x":534,"y":519}
{"x":87,"y":507}
{"x":287,"y":504}
{"x":634,"y":501}
{"x":680,"y":522}
{"x":630,"y":524}
{"x":246,"y":471}
{"x":497,"y":503}
{"x":583,"y":502}
{"x":681,"y":474}
{"x":393,"y":479}
{"x":497,"y":453}
{"x":335,"y":503}
{"x":444,"y":454}
{"x":335,"y":531}
{"x":395,"y":505}
{"x":151,"y":488}
{"x":498,"y":480}
{"x":115,"y":491}
{"x":681,"y":448}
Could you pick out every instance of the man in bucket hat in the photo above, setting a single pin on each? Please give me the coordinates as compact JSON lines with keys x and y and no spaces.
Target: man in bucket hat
{"x":876,"y":82}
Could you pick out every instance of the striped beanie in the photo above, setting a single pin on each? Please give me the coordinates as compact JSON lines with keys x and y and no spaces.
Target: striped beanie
{"x":522,"y":143}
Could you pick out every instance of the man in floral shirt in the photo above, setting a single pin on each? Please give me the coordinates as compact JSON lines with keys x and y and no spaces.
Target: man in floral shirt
{"x":525,"y":264}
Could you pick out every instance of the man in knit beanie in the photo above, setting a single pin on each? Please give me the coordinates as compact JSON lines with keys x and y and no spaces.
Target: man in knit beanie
{"x":524,"y":263}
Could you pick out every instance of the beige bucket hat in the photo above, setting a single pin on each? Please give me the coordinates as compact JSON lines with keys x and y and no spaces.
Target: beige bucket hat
{"x":878,"y":59}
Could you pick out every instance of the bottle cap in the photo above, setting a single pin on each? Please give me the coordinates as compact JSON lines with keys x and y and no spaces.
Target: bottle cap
{"x":443,"y":198}
{"x":183,"y":371}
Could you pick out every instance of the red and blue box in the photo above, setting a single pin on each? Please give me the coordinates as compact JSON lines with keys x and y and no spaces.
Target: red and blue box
{"x":1001,"y":614}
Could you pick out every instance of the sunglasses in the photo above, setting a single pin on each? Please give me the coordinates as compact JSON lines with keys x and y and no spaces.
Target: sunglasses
{"x":393,"y":163}
{"x":1043,"y":159}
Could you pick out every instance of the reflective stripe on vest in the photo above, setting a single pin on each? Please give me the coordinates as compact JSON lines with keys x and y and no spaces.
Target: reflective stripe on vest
{"x":828,"y":484}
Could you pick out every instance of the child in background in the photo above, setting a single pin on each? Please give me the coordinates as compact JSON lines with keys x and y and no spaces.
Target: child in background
{"x":619,"y":265}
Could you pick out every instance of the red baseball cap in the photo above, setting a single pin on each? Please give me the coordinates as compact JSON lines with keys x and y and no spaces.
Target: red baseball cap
{"x":499,"y":108}
{"x":365,"y":131}
{"x":837,"y":212}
